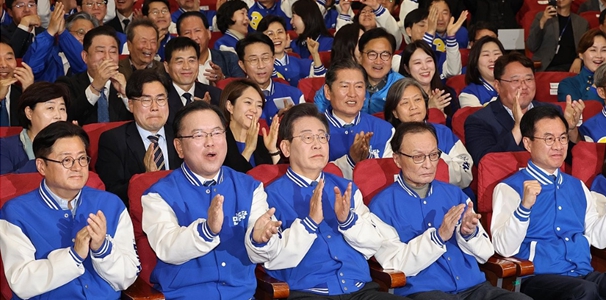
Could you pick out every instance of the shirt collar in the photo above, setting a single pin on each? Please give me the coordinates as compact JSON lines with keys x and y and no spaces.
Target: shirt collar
{"x":236,"y":35}
{"x":530,"y":106}
{"x":269,"y":88}
{"x":373,"y":89}
{"x":337,"y":122}
{"x":402,"y":183}
{"x":122,"y":17}
{"x":180,"y":91}
{"x":209,"y":58}
{"x":543,"y":176}
{"x":284,"y":61}
{"x":487,"y":85}
{"x":144,"y":133}
{"x":197,"y":180}
{"x":55,"y":202}
{"x":301,"y":180}
{"x":107,"y":84}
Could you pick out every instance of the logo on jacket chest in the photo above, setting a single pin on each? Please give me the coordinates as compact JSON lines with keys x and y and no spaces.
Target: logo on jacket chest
{"x":241,"y":215}
{"x":374,"y":153}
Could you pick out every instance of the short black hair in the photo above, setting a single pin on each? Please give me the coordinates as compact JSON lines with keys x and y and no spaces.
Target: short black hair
{"x":98,"y":31}
{"x":473,"y":73}
{"x":9,"y":3}
{"x":415,"y":16}
{"x":506,"y":59}
{"x":377,"y":33}
{"x":253,"y":38}
{"x":179,"y":43}
{"x":193,"y":107}
{"x":268,"y":20}
{"x":40,"y":92}
{"x":188,"y":14}
{"x":481,"y":25}
{"x":537,"y":113}
{"x":46,"y":138}
{"x":226,"y":12}
{"x":296,"y":112}
{"x":410,"y":127}
{"x":146,"y":3}
{"x":140,"y":22}
{"x":345,"y":64}
{"x":134,"y":86}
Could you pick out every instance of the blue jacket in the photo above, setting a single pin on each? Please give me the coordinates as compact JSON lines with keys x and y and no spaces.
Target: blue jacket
{"x":301,"y":49}
{"x":331,"y":266}
{"x":226,"y":272}
{"x":228,"y":40}
{"x":564,"y":251}
{"x":579,"y":87}
{"x":228,"y":62}
{"x":13,"y":158}
{"x":277,"y":91}
{"x":295,"y":69}
{"x":595,"y":127}
{"x":484,"y":92}
{"x":257,"y":12}
{"x":43,"y":56}
{"x":400,"y":207}
{"x":373,"y":104}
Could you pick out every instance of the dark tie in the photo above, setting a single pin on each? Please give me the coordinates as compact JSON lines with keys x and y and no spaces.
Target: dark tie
{"x":187,"y":97}
{"x":313,"y":183}
{"x":102,"y":108}
{"x":4,"y":120}
{"x":347,"y":125}
{"x":125,"y":22}
{"x":266,"y":94}
{"x":554,"y":178}
{"x":209,"y":182}
{"x":158,"y":156}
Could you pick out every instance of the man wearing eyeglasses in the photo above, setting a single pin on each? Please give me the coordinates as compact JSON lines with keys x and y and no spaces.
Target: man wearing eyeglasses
{"x":496,"y":127}
{"x":356,"y":135}
{"x":25,"y":26}
{"x":100,"y":9}
{"x":256,"y":58}
{"x":145,"y":145}
{"x":209,"y":225}
{"x":65,"y":240}
{"x":377,"y":48}
{"x":332,"y":233}
{"x":549,"y":217}
{"x":437,"y":239}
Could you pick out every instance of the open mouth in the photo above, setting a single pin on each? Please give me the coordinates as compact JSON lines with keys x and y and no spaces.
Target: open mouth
{"x":211,"y":155}
{"x":598,"y":62}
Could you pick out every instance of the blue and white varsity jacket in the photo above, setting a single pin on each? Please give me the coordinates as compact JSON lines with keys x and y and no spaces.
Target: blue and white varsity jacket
{"x":594,"y":129}
{"x":478,"y":94}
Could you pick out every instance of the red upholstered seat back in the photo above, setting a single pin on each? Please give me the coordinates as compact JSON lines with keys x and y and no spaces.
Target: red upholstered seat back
{"x":457,"y":82}
{"x":544,"y":81}
{"x":587,"y":161}
{"x":9,"y":130}
{"x":458,"y":121}
{"x":309,"y":87}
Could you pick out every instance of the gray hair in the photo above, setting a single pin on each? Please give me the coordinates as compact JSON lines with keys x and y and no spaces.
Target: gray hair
{"x":599,"y":77}
{"x":80,"y":16}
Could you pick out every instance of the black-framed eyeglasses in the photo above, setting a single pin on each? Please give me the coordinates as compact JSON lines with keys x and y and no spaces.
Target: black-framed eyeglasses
{"x":201,"y":135}
{"x":550,"y":140}
{"x":372,"y":55}
{"x":68,"y":162}
{"x":147,"y":101}
{"x":156,"y":12}
{"x":420,"y":158}
{"x":309,"y":138}
{"x":97,"y":4}
{"x":517,"y":82}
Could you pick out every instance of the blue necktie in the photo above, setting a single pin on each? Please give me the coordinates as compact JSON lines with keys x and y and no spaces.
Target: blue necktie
{"x":4,"y":120}
{"x":187,"y":97}
{"x":102,"y":107}
{"x":209,"y":182}
{"x":158,"y":156}
{"x":313,"y":183}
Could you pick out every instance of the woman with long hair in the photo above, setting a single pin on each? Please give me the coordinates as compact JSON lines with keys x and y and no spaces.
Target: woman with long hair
{"x":308,"y":23}
{"x":480,"y":72}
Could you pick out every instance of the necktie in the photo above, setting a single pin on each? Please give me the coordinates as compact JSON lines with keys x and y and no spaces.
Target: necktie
{"x":314,"y":183}
{"x":158,"y":156}
{"x":187,"y":97}
{"x":125,"y":22}
{"x":266,"y":94}
{"x":209,"y":182}
{"x":4,"y":120}
{"x":347,"y":125}
{"x":554,"y":178}
{"x":102,"y":107}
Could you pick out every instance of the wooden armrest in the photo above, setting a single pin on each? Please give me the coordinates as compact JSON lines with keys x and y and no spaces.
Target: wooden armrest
{"x":524,"y":267}
{"x":387,"y":279}
{"x":141,"y":290}
{"x":269,"y":287}
{"x":500,"y":267}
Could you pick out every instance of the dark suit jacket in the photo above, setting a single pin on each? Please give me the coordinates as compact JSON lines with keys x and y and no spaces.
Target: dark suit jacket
{"x":589,"y":5}
{"x":121,"y":153}
{"x":13,"y":158}
{"x":125,"y":67}
{"x":85,"y":113}
{"x":174,"y":99}
{"x":236,"y":161}
{"x":115,"y":24}
{"x":489,"y":130}
{"x":543,"y":42}
{"x":16,"y":92}
{"x":228,"y":62}
{"x":18,"y":39}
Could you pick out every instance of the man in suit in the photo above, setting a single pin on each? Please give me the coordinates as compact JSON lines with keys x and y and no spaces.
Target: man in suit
{"x":553,"y":37}
{"x":98,"y":95}
{"x":182,"y":55}
{"x":142,"y":43}
{"x":145,"y":145}
{"x":496,"y":127}
{"x":26,"y":24}
{"x":124,"y":16}
{"x":214,"y":64}
{"x":9,"y":91}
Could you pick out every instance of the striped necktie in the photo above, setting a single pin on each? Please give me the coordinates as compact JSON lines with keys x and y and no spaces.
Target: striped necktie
{"x":209,"y":182}
{"x":102,"y":107}
{"x":158,"y":156}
